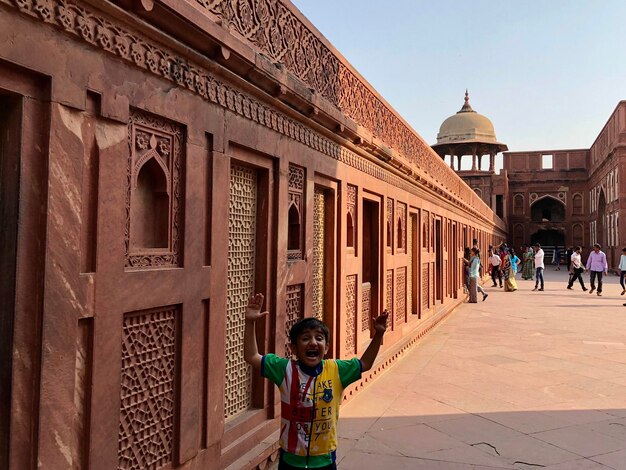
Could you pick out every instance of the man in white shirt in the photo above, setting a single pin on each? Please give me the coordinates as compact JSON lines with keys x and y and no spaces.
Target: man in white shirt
{"x":495,"y":268}
{"x":576,"y":270}
{"x":539,"y":267}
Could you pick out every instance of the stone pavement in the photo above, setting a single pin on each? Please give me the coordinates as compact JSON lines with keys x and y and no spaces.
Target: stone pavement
{"x":524,"y":380}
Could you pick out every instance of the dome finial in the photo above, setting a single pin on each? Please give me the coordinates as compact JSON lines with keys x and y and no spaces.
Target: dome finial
{"x":467,"y":108}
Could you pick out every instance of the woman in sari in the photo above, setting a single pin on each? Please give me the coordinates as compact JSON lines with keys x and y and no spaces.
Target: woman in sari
{"x":508,"y":274}
{"x":528,"y":271}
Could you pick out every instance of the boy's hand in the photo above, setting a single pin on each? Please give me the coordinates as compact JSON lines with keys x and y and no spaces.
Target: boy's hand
{"x":253,"y":310}
{"x":380,"y":324}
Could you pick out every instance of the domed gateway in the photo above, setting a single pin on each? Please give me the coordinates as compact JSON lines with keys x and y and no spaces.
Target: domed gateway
{"x":468,"y":133}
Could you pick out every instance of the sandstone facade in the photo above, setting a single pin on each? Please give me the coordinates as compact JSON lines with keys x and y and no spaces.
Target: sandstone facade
{"x":161,"y":161}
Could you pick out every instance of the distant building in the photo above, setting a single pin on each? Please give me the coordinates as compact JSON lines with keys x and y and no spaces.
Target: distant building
{"x":470,"y":133}
{"x":553,"y":197}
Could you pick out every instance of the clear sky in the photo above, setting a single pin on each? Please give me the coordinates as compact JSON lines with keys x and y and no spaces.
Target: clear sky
{"x":548,"y":73}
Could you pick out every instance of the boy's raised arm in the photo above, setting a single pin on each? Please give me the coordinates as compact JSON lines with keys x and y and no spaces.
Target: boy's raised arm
{"x":250,"y":348}
{"x":369,"y":356}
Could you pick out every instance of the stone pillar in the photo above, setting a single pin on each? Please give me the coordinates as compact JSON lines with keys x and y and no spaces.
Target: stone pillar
{"x":459,"y":162}
{"x":492,"y":160}
{"x":474,"y":162}
{"x":480,"y":162}
{"x":452,"y":161}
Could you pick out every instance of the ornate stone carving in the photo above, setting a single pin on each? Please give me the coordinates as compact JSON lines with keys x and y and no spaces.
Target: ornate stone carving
{"x":366,"y":306}
{"x":240,"y":284}
{"x":401,"y":218}
{"x":319,"y":255}
{"x":351,"y":314}
{"x":293,"y":312}
{"x":152,"y":138}
{"x":390,"y":225}
{"x":401,"y":296}
{"x":355,"y":98}
{"x":409,"y":268}
{"x":296,"y":193}
{"x":425,"y":286}
{"x":389,"y":294}
{"x":147,"y":389}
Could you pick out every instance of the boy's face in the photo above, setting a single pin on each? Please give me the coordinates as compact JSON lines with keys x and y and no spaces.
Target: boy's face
{"x":311,"y":347}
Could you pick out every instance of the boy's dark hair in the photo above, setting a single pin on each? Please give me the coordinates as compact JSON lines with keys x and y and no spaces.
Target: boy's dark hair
{"x":308,"y":323}
{"x":576,"y":248}
{"x":597,"y":245}
{"x":624,"y":249}
{"x":537,"y":245}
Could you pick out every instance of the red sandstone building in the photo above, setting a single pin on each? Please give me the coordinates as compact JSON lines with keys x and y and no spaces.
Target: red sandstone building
{"x":161,"y":160}
{"x":556,"y":197}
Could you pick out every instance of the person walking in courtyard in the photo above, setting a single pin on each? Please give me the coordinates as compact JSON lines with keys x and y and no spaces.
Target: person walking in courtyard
{"x":507,"y":273}
{"x":597,"y":265}
{"x":495,"y":261}
{"x":622,"y":270}
{"x":515,"y":261}
{"x":528,"y":270}
{"x":556,"y":258}
{"x":474,"y":275}
{"x":539,"y":267}
{"x":576,"y":270}
{"x":467,"y":255}
{"x":311,"y":387}
{"x":568,"y":258}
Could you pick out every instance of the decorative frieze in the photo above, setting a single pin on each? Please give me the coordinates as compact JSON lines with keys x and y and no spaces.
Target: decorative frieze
{"x":117,"y":39}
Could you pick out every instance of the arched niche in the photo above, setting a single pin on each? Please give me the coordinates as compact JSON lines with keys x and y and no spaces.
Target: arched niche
{"x":294,"y":230}
{"x":350,"y":230}
{"x":578,"y":235}
{"x":518,"y":204}
{"x":577,"y":204}
{"x":547,"y":209}
{"x":150,"y":207}
{"x":400,"y":234}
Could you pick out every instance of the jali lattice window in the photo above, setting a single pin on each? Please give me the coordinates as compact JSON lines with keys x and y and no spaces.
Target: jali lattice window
{"x":240,"y":284}
{"x":149,"y":364}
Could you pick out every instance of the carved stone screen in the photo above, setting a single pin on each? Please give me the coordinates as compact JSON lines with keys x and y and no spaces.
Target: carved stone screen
{"x":153,"y":234}
{"x":389,"y":294}
{"x":409,"y":273}
{"x":425,"y":286}
{"x":401,"y":296}
{"x":240,"y":285}
{"x":350,"y":314}
{"x":319,"y":240}
{"x":366,"y":306}
{"x":147,"y":389}
{"x":294,"y":312}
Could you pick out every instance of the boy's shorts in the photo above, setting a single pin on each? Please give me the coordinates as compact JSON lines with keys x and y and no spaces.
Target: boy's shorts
{"x":285,"y":466}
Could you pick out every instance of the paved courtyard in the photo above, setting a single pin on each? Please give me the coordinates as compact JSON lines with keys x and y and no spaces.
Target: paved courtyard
{"x":524,"y":380}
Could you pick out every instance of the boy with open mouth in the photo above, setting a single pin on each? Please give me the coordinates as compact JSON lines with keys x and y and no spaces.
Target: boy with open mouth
{"x":311,"y":387}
